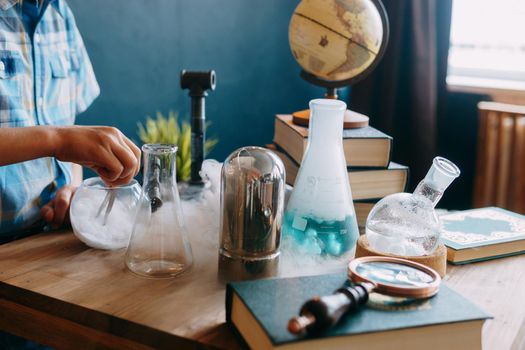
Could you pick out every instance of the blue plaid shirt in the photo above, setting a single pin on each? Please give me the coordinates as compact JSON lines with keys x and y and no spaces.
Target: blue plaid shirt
{"x":44,"y":80}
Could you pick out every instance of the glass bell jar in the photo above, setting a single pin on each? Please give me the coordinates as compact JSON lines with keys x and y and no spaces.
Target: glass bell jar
{"x":159,"y":246}
{"x":320,"y":214}
{"x":406,"y":224}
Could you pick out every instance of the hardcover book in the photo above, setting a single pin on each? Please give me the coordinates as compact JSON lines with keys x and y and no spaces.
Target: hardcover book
{"x":363,"y":147}
{"x":362,"y":209}
{"x":482,"y":234}
{"x":366,"y":183}
{"x":258,"y":312}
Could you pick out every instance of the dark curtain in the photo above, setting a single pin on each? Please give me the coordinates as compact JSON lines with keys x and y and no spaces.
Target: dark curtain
{"x":405,"y":94}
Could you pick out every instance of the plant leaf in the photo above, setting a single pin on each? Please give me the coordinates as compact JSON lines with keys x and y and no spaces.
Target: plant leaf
{"x":168,"y":130}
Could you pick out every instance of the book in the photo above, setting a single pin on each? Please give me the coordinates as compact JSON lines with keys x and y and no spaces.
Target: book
{"x":362,"y":209}
{"x":363,"y":147}
{"x":365,"y":183}
{"x":258,"y":312}
{"x":482,"y":234}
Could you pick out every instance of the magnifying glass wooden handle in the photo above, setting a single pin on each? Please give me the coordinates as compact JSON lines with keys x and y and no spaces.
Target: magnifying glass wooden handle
{"x":321,"y":313}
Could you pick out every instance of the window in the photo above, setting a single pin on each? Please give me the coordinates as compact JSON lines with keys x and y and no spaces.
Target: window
{"x":487,"y":45}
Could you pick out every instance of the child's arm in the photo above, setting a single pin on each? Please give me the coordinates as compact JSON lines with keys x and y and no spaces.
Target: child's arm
{"x":104,"y":149}
{"x":21,"y":144}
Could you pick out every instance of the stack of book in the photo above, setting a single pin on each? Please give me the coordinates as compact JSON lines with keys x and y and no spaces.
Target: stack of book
{"x":367,"y":151}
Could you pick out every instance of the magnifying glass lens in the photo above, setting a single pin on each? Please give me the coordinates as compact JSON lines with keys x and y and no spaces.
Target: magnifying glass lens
{"x":393,"y":273}
{"x":395,"y":277}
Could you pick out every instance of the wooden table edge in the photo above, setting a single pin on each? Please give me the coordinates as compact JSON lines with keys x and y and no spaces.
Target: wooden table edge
{"x":67,"y":318}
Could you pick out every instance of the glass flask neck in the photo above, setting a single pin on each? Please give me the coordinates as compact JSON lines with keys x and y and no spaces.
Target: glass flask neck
{"x":159,"y":173}
{"x":326,"y":121}
{"x":159,"y":164}
{"x":439,"y":177}
{"x":424,"y":190}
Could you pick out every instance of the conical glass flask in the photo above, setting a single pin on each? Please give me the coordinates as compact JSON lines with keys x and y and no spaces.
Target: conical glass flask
{"x":158,"y":246}
{"x":320,"y":214}
{"x":406,"y":224}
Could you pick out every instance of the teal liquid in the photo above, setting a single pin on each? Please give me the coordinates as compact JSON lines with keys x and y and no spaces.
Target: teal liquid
{"x":313,"y":236}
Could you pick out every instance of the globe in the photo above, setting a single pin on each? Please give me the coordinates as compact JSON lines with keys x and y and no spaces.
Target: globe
{"x":338,"y":40}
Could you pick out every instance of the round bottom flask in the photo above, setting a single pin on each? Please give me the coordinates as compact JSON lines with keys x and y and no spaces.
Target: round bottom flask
{"x":406,"y":224}
{"x":158,"y":246}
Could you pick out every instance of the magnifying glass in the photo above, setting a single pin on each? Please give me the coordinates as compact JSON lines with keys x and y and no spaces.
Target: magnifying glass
{"x":371,"y":274}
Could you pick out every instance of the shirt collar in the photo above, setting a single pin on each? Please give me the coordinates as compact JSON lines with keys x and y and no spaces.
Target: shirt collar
{"x":7,"y":4}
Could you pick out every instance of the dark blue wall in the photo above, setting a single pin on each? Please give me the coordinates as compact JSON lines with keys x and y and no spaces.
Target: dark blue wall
{"x":138,"y":48}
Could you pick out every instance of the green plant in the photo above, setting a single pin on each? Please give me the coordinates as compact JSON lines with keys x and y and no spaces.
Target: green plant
{"x":168,"y":130}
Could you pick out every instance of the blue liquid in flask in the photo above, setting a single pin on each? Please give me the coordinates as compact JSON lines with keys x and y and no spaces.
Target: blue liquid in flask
{"x":321,"y":237}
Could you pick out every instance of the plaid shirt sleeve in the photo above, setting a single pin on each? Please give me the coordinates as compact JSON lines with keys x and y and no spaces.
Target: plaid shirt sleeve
{"x":87,"y":88}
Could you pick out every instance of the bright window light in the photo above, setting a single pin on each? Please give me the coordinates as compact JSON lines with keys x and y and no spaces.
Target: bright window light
{"x":487,"y":44}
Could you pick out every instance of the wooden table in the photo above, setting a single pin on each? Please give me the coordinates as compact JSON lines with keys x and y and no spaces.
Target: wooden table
{"x":57,"y":291}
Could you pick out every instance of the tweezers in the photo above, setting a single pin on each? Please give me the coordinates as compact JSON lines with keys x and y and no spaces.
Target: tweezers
{"x":108,"y":202}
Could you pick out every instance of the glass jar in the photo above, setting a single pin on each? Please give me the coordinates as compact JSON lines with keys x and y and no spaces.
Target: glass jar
{"x":88,"y":213}
{"x":159,"y":246}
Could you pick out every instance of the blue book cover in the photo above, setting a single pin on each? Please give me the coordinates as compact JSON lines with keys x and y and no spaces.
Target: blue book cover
{"x":273,"y":302}
{"x":481,"y":227}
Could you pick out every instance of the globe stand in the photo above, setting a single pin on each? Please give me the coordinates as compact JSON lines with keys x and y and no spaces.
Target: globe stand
{"x":310,"y":37}
{"x":352,"y":119}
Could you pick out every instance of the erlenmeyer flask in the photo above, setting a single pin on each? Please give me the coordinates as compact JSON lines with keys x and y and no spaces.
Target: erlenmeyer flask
{"x":158,"y":246}
{"x":320,"y":214}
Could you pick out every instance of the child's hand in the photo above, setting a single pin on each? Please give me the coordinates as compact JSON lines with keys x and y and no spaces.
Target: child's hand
{"x":104,"y":149}
{"x":56,"y":212}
